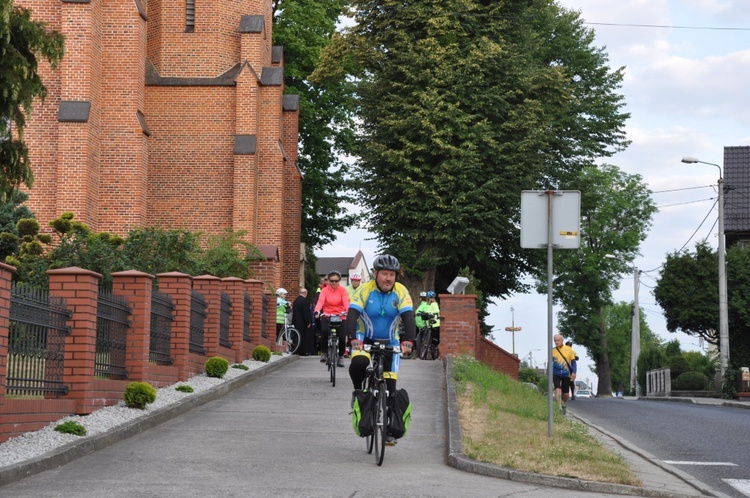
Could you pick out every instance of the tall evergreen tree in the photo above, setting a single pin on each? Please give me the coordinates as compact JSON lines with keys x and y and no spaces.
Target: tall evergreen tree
{"x":21,"y":42}
{"x":464,"y":104}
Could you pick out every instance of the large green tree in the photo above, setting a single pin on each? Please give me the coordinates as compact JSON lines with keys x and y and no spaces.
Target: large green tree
{"x":688,"y":292}
{"x":21,"y":42}
{"x":619,"y":323}
{"x":304,"y":28}
{"x":616,"y":212}
{"x":464,"y":104}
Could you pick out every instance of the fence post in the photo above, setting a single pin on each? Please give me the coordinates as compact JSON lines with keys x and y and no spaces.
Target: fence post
{"x":459,"y":331}
{"x":178,"y":286}
{"x":6,"y":275}
{"x":210,"y":287}
{"x":236,"y":289}
{"x":136,"y":287}
{"x":255,"y":289}
{"x":80,"y":289}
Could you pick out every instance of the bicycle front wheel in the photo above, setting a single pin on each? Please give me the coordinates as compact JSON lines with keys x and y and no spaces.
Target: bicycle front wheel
{"x":333,"y":352}
{"x":424,"y":347}
{"x":381,"y":424}
{"x":293,"y":339}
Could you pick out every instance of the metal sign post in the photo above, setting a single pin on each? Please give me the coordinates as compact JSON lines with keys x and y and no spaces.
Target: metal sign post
{"x":551,"y":219}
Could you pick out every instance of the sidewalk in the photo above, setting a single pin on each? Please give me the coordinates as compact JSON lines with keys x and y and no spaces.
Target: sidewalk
{"x":285,"y":431}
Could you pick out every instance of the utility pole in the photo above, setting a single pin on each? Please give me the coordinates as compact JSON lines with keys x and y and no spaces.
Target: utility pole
{"x":513,"y":329}
{"x":635,"y":336}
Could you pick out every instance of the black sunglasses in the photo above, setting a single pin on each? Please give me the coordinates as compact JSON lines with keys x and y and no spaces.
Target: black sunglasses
{"x":334,"y":281}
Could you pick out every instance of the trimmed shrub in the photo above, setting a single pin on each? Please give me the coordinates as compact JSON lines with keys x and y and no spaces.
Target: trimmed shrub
{"x":71,"y":427}
{"x":184,"y":388}
{"x":139,"y":394}
{"x":262,"y":353}
{"x":240,"y":366}
{"x":216,"y":367}
{"x":690,"y":381}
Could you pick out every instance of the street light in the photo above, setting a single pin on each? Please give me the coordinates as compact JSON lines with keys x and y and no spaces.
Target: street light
{"x":723,"y":310}
{"x":635,"y":331}
{"x":513,"y":329}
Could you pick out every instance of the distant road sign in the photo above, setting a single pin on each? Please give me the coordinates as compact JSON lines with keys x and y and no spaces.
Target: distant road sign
{"x":512,"y":329}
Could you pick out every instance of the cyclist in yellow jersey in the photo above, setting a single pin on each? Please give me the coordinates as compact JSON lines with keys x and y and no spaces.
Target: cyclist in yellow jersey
{"x":380,"y":303}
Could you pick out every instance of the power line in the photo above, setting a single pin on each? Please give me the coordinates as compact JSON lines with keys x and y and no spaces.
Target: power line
{"x":662,"y":26}
{"x":713,"y":185}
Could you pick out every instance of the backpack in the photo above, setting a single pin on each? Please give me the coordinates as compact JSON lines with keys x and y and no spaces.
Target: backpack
{"x":400,"y":414}
{"x":362,"y":412}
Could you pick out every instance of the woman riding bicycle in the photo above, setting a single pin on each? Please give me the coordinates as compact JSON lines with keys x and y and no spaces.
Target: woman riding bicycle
{"x":333,"y":300}
{"x":380,"y":303}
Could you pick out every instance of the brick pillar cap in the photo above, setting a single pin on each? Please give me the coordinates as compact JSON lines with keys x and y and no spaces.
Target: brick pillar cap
{"x":206,"y":277}
{"x":73,"y":270}
{"x":131,"y":273}
{"x":253,"y":281}
{"x":232,"y":279}
{"x":8,"y":267}
{"x":173,"y":274}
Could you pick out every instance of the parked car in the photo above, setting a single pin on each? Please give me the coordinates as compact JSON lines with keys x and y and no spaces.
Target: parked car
{"x":583,"y":393}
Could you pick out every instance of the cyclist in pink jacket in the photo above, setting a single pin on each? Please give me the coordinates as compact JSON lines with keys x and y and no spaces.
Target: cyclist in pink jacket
{"x":333,"y":300}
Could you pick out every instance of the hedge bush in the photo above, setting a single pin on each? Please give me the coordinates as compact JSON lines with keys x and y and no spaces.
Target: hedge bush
{"x":262,"y":353}
{"x":216,"y":367}
{"x":71,"y":427}
{"x":139,"y":394}
{"x":691,"y":381}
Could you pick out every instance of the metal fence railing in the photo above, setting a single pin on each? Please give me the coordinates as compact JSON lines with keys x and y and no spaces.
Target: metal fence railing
{"x":226,"y":315}
{"x":36,"y":343}
{"x":112,"y":325}
{"x":248,"y":311}
{"x":162,"y":316}
{"x":264,"y":316}
{"x":197,"y":320}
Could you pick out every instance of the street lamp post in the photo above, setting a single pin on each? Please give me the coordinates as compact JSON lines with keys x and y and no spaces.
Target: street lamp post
{"x":723,"y":309}
{"x":513,"y":329}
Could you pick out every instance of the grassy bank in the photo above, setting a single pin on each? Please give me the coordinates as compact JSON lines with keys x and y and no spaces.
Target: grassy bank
{"x":504,"y":422}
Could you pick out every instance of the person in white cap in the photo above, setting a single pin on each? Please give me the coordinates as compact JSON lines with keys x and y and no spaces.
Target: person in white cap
{"x":282,"y":308}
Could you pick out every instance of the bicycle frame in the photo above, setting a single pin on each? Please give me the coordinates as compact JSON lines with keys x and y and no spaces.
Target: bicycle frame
{"x":377,"y":385}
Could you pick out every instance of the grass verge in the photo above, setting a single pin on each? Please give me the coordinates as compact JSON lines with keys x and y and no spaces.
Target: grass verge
{"x":504,"y":422}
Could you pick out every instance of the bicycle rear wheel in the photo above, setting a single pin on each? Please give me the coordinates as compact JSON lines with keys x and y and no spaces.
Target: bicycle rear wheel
{"x":293,"y":339}
{"x":381,"y":424}
{"x":424,"y":346}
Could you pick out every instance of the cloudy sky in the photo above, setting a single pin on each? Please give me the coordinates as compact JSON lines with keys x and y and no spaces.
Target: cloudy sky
{"x":687,"y":89}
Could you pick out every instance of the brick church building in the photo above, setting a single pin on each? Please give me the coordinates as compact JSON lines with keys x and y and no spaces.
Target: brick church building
{"x":170,"y":114}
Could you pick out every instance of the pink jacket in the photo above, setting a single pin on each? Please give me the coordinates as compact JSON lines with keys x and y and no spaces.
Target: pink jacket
{"x":333,"y":302}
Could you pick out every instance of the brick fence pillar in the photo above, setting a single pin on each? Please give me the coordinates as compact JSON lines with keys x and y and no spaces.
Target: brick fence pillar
{"x":235,"y":287}
{"x":210,"y":287}
{"x":459,"y":331}
{"x":6,"y":274}
{"x":179,"y":286}
{"x":136,"y":287}
{"x":80,"y":289}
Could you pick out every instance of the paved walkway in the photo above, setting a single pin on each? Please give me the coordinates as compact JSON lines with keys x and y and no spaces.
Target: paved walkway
{"x":284,"y":431}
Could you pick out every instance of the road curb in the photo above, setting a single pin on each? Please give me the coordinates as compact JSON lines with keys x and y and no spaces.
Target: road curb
{"x":457,"y":459}
{"x":78,"y":449}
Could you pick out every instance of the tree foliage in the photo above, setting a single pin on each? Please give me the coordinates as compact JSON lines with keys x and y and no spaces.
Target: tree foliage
{"x":21,"y":42}
{"x":304,"y":28}
{"x":688,"y":292}
{"x":616,"y":212}
{"x":463,"y":105}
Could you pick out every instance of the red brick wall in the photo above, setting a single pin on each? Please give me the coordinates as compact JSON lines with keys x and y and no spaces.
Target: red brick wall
{"x":460,"y":335}
{"x":184,"y":173}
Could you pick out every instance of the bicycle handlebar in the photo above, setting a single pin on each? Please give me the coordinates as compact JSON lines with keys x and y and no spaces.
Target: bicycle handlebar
{"x":381,"y":348}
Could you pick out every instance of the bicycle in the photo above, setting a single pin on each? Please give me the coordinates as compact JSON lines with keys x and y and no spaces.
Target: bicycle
{"x":291,"y":336}
{"x":334,"y":322}
{"x":424,"y":337}
{"x":375,"y":383}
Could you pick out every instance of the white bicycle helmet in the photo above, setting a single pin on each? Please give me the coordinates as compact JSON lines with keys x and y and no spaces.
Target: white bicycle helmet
{"x":281,"y":291}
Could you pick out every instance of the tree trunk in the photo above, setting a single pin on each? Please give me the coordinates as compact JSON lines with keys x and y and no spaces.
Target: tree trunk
{"x":417,"y":284}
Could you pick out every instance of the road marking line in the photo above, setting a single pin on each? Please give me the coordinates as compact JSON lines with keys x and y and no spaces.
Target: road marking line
{"x":741,"y":485}
{"x":682,"y":462}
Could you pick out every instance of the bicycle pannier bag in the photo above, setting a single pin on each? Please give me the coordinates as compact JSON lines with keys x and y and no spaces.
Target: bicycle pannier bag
{"x":362,"y":412}
{"x":400,"y":417}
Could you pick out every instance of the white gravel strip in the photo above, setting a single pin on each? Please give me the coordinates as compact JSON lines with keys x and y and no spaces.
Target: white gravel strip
{"x":34,"y":444}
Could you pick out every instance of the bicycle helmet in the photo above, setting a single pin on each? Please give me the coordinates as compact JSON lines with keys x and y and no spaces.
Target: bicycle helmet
{"x":334,"y":272}
{"x":422,"y":294}
{"x":430,"y":294}
{"x":355,"y":276}
{"x":281,"y":291}
{"x":386,"y":262}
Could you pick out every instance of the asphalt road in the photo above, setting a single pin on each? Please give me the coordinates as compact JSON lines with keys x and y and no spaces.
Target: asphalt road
{"x":707,"y":442}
